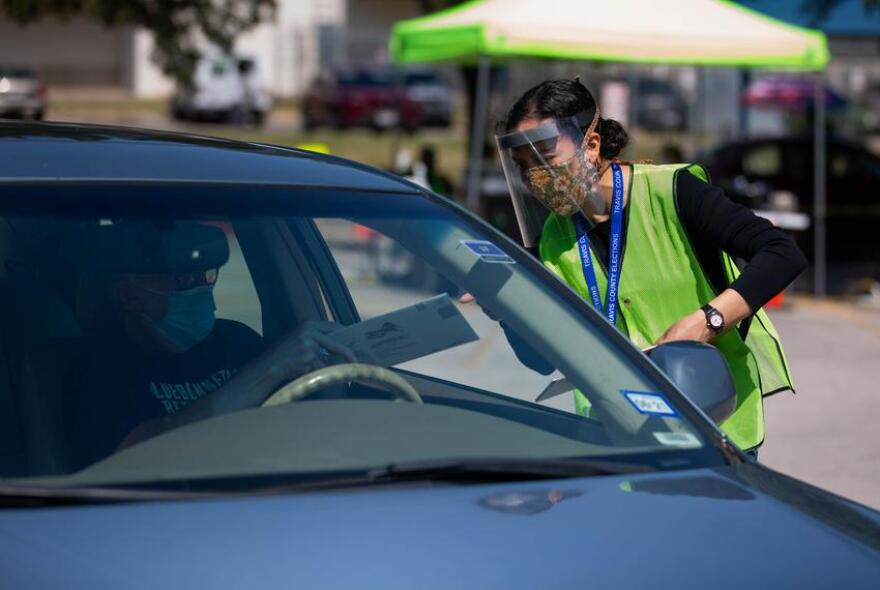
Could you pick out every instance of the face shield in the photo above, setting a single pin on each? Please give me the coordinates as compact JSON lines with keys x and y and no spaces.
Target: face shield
{"x":547,"y":167}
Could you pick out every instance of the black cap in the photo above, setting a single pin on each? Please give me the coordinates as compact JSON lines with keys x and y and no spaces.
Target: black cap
{"x":143,"y":247}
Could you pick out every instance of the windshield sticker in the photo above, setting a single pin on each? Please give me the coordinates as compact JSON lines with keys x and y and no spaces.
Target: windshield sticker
{"x":487,"y":251}
{"x":677,"y":439}
{"x":653,"y":404}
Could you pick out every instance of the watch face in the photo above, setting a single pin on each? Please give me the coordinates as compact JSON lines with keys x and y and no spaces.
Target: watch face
{"x":716,"y":321}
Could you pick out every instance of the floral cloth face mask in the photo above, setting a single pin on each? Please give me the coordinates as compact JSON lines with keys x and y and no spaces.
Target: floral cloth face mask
{"x":569,"y":186}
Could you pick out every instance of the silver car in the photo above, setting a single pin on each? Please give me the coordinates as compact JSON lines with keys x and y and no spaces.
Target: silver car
{"x":21,"y":93}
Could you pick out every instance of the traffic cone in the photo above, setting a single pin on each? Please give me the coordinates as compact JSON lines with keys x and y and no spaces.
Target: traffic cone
{"x":776,"y":302}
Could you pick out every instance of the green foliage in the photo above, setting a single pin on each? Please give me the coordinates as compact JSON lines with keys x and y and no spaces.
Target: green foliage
{"x":176,"y":24}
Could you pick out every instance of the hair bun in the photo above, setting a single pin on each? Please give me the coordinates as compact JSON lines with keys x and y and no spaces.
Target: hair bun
{"x":614,"y":138}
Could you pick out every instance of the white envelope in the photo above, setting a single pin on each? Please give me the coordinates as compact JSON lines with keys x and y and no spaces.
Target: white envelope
{"x":409,"y":333}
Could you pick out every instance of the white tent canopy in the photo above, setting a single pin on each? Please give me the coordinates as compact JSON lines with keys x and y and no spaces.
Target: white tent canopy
{"x":705,"y":32}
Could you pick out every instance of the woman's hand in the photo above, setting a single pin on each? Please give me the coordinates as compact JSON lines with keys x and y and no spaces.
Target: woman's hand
{"x":690,"y":327}
{"x":693,"y":326}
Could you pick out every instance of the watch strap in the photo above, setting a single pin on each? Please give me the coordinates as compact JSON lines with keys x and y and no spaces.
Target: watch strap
{"x":711,"y":313}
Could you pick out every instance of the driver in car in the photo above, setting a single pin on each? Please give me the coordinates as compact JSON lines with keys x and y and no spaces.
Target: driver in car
{"x":161,"y":358}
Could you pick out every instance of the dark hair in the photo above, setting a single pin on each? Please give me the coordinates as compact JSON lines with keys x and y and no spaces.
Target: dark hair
{"x":566,"y":98}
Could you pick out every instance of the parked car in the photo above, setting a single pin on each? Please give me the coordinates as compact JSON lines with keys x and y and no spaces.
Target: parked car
{"x":427,"y":89}
{"x":426,"y":464}
{"x":225,"y":88}
{"x":753,"y":171}
{"x":22,"y":95}
{"x":379,"y":99}
{"x":660,"y":105}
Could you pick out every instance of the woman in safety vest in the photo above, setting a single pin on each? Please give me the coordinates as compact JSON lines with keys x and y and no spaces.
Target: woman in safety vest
{"x":650,"y":246}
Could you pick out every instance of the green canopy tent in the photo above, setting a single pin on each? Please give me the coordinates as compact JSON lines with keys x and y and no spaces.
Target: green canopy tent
{"x":685,"y":32}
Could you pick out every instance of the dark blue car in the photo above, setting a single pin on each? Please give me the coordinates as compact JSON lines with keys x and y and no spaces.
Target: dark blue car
{"x":204,"y":384}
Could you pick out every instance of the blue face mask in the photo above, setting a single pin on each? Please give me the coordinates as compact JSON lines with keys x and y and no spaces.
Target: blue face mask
{"x":190,"y":317}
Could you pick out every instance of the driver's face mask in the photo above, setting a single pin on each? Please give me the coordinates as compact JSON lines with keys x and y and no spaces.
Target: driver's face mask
{"x":190,"y":317}
{"x":189,"y":308}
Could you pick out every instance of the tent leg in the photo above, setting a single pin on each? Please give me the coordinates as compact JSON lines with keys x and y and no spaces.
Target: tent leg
{"x":819,"y":180}
{"x":745,"y":79}
{"x":478,"y":134}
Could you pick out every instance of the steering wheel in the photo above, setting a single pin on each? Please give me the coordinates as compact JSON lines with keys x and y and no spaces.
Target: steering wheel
{"x":373,"y":374}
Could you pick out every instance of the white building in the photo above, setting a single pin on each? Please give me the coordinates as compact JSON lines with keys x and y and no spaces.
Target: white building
{"x":304,"y":36}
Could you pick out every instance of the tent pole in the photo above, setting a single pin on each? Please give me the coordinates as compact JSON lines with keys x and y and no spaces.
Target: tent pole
{"x":819,"y":180}
{"x":745,"y":79}
{"x":478,"y":134}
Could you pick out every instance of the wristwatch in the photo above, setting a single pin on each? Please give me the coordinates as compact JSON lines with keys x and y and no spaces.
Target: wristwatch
{"x":714,"y":319}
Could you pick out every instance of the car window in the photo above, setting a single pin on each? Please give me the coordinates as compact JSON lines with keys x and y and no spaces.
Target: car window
{"x":382,"y":276}
{"x":153,"y":345}
{"x":421,"y":79}
{"x":763,"y":161}
{"x":848,"y":163}
{"x":234,"y":293}
{"x":27,"y":73}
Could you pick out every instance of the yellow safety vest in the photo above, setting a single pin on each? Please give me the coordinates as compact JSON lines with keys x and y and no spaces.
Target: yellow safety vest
{"x":661,"y":281}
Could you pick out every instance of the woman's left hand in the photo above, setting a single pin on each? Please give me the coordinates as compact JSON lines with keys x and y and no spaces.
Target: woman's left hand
{"x":730,"y":304}
{"x":690,"y":327}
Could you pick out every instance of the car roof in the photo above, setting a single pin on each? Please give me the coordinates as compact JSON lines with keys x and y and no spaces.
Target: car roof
{"x":59,"y":152}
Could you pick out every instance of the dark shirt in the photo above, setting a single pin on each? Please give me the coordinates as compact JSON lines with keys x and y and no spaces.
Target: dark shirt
{"x":122,"y":386}
{"x":713,"y":222}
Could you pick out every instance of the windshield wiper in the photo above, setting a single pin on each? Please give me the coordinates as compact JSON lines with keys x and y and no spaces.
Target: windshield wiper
{"x":14,"y":496}
{"x":501,"y":470}
{"x":455,"y":471}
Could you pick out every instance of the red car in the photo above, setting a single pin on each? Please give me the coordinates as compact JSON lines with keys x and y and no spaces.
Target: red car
{"x":361,"y":99}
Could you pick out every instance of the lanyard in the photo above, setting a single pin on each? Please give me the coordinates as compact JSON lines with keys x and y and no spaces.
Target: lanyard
{"x":613,"y":250}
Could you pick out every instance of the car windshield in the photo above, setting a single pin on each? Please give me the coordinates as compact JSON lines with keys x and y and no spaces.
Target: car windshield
{"x":422,"y":79}
{"x":155,"y":334}
{"x":366,"y":79}
{"x":11,"y":72}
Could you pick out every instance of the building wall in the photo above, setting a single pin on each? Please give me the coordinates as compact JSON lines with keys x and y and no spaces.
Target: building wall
{"x":290,"y":49}
{"x":369,"y":28}
{"x":286,"y":48}
{"x":70,"y":52}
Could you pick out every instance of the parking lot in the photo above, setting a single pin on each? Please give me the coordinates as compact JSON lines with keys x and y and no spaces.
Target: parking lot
{"x":826,"y":434}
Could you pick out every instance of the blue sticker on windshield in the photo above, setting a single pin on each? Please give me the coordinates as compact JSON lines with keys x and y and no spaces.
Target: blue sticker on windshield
{"x":652,"y":404}
{"x":487,"y":251}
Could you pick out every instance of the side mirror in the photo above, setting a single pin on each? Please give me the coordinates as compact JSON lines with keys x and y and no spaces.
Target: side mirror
{"x":701,"y":373}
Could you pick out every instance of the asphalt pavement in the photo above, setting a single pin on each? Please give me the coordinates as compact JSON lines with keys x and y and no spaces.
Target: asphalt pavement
{"x":827,"y":433}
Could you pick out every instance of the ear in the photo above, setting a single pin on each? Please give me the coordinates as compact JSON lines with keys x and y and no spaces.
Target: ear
{"x":593,"y":143}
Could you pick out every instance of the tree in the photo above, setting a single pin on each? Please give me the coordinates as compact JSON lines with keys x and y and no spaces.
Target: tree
{"x":176,"y":25}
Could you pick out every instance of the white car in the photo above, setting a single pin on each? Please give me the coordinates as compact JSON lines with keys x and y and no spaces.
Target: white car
{"x":224,"y":89}
{"x":21,"y":93}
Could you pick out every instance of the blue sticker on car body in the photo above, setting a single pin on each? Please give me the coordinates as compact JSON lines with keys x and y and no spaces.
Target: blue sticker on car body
{"x":487,"y":251}
{"x":650,"y":403}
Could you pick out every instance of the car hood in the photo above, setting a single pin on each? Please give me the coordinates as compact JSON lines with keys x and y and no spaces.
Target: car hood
{"x":723,"y":528}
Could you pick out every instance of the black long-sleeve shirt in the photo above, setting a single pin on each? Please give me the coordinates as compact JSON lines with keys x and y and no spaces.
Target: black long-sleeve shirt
{"x":713,"y":222}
